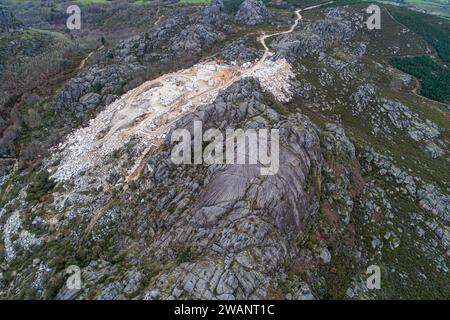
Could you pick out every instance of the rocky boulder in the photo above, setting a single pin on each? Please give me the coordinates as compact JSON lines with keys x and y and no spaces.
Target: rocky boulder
{"x":240,"y":50}
{"x":92,"y":88}
{"x":253,"y":12}
{"x":238,"y":219}
{"x":214,"y":13}
{"x":194,"y":38}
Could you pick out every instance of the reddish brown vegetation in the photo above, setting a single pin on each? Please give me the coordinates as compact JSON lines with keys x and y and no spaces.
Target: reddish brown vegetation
{"x":330,"y":214}
{"x":358,"y":181}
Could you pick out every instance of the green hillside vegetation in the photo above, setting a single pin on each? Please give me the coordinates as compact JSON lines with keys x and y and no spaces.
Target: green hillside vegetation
{"x":434,"y":30}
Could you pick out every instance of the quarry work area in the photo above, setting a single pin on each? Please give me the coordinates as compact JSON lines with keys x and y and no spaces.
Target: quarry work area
{"x":149,"y":111}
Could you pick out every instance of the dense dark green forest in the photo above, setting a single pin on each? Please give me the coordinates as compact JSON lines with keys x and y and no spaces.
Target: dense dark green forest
{"x":434,"y":77}
{"x":232,"y":5}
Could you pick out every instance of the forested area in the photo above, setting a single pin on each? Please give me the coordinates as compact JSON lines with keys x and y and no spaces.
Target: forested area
{"x":434,"y":77}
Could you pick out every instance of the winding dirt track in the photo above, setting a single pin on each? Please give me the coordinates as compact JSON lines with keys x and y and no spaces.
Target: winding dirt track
{"x":263,"y":38}
{"x":83,"y":62}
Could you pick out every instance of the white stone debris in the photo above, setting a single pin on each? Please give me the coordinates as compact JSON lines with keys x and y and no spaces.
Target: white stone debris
{"x":40,"y":277}
{"x":148,"y":112}
{"x":274,"y":77}
{"x":11,"y":235}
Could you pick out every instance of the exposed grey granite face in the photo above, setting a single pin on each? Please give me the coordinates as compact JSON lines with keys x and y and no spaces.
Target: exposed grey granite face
{"x":98,"y":85}
{"x":253,"y":12}
{"x":214,"y":14}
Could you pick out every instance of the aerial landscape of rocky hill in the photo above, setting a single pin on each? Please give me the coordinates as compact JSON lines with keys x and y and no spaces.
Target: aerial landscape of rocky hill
{"x":88,"y":183}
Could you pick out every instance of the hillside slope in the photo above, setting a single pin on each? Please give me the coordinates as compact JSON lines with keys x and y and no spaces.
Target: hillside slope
{"x":362,"y":180}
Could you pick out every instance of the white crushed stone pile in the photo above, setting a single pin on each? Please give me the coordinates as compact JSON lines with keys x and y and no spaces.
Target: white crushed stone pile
{"x":274,"y":77}
{"x":148,"y":111}
{"x":25,"y":238}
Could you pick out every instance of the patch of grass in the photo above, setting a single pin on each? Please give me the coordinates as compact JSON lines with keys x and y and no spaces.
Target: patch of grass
{"x":232,"y":5}
{"x":40,"y":186}
{"x":98,"y":87}
{"x":184,"y":255}
{"x":93,"y":1}
{"x":433,"y":29}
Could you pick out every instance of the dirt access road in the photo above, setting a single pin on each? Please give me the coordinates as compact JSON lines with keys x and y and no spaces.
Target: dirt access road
{"x":263,"y":38}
